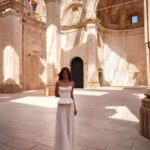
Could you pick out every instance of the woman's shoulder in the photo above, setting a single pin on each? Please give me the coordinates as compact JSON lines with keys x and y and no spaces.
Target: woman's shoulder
{"x":57,"y":82}
{"x":72,"y":83}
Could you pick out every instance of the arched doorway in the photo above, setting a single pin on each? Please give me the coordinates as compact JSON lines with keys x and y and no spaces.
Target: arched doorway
{"x":77,"y":72}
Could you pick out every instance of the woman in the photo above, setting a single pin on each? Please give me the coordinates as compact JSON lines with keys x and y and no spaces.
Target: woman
{"x":65,"y":111}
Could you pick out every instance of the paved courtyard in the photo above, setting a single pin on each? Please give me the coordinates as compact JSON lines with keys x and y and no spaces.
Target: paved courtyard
{"x":108,"y":119}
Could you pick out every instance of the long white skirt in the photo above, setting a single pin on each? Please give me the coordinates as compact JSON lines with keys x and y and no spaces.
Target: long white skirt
{"x":64,"y":127}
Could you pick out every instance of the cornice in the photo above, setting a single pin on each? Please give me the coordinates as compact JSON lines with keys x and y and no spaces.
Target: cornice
{"x":47,"y":1}
{"x":82,"y":24}
{"x":28,"y":20}
{"x":98,"y":25}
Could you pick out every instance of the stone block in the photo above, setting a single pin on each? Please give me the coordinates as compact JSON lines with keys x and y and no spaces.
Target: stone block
{"x":145,"y":118}
{"x":10,"y":88}
{"x":50,"y":90}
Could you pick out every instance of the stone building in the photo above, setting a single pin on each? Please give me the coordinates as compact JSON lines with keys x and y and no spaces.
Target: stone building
{"x":101,"y":41}
{"x":22,"y":45}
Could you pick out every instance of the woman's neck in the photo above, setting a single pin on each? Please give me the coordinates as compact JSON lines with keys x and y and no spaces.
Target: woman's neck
{"x":65,"y":80}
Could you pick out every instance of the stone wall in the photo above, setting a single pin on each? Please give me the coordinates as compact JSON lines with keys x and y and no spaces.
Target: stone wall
{"x":119,"y":55}
{"x":34,"y":36}
{"x":74,"y":44}
{"x":117,"y":14}
{"x":114,"y":57}
{"x":10,"y":52}
{"x":22,"y":53}
{"x":122,"y":57}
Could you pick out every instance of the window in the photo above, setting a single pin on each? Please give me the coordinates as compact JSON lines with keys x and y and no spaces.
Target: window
{"x":33,"y":5}
{"x":134,"y":19}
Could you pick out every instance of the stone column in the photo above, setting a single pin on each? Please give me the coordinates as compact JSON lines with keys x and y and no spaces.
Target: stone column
{"x":10,"y":48}
{"x":145,"y":108}
{"x":93,"y":80}
{"x":147,"y":36}
{"x":53,"y":44}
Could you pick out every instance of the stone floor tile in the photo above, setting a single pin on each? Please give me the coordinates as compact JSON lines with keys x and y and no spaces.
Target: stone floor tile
{"x":25,"y":135}
{"x":21,"y":144}
{"x":5,"y":138}
{"x":45,"y":140}
{"x":92,"y":148}
{"x":141,"y":145}
{"x":5,"y":147}
{"x":117,"y":147}
{"x":80,"y":147}
{"x":42,"y":147}
{"x":108,"y":119}
{"x":91,"y":142}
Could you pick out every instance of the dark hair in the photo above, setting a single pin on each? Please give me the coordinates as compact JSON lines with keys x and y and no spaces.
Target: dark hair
{"x":61,"y":73}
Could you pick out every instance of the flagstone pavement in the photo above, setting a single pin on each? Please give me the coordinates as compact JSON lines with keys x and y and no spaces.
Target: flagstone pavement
{"x":107,"y":119}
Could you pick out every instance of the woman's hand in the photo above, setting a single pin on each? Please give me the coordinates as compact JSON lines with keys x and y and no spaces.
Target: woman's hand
{"x":75,"y":112}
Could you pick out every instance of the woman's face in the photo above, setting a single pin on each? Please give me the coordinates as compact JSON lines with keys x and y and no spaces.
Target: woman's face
{"x":65,"y":75}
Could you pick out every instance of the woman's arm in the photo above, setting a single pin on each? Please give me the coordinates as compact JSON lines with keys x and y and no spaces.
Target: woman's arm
{"x":56,"y":89}
{"x":72,"y":96}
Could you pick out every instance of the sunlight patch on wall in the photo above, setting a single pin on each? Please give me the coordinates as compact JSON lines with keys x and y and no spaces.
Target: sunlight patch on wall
{"x":122,"y":113}
{"x":11,"y":65}
{"x":42,"y":74}
{"x":91,"y":71}
{"x":8,"y":65}
{"x":117,"y":70}
{"x":63,"y":41}
{"x":51,"y":43}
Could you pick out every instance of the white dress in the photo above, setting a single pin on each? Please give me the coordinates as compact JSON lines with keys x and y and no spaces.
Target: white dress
{"x":65,"y":121}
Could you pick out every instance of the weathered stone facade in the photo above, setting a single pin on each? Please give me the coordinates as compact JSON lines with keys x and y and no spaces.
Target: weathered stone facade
{"x":118,"y":14}
{"x":22,"y":47}
{"x":98,"y":32}
{"x":114,"y":52}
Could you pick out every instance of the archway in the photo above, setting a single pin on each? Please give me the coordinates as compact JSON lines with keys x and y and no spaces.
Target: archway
{"x":77,"y":72}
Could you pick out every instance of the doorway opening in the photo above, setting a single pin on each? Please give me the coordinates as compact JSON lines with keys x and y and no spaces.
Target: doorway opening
{"x":77,"y":72}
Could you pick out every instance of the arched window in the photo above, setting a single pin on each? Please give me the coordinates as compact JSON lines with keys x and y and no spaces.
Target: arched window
{"x":33,"y":5}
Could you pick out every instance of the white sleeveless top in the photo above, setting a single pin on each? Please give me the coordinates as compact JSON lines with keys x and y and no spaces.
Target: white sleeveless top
{"x":64,"y":93}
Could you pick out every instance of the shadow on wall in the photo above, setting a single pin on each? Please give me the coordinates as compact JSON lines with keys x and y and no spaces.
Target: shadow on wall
{"x":121,"y":66}
{"x":96,"y":70}
{"x":34,"y":72}
{"x":124,"y":50}
{"x":10,"y":86}
{"x":32,"y":75}
{"x":123,"y":56}
{"x":78,"y":35}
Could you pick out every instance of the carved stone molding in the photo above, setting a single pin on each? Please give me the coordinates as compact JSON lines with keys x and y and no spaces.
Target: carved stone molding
{"x":74,"y":6}
{"x":145,"y":118}
{"x":47,"y":1}
{"x":80,"y":24}
{"x":76,"y":9}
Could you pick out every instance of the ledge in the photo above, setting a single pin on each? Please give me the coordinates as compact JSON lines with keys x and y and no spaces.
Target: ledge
{"x":10,"y":88}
